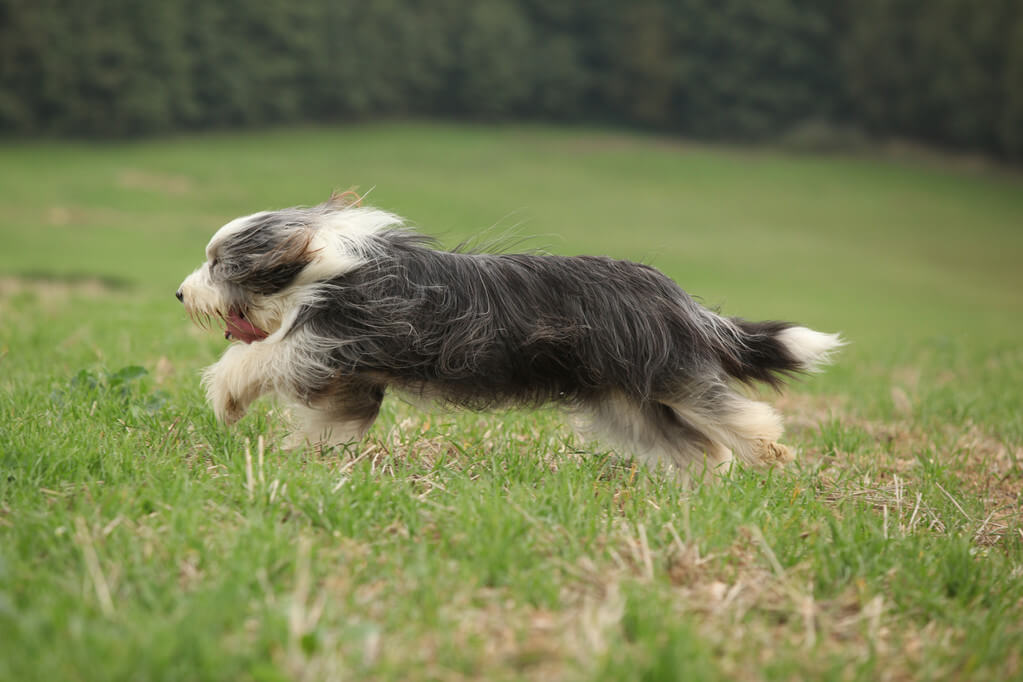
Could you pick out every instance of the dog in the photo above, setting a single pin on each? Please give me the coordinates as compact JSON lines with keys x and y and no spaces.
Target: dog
{"x":330,"y":306}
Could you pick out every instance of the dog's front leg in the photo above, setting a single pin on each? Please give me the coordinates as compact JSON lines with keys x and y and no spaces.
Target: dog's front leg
{"x":238,"y":378}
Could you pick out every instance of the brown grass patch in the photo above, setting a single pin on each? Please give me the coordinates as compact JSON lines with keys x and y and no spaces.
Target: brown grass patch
{"x":154,"y":181}
{"x":54,"y":290}
{"x":888,"y":474}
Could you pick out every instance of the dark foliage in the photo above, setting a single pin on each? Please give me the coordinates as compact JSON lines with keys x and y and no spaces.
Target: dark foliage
{"x":948,"y":72}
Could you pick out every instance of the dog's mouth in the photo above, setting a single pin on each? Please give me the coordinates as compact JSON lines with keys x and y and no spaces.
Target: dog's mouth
{"x":240,"y":328}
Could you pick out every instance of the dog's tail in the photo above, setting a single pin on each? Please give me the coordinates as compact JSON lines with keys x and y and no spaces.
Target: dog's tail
{"x":771,"y":351}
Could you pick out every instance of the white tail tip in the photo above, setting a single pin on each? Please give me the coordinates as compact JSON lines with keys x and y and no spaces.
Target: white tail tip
{"x":812,"y":350}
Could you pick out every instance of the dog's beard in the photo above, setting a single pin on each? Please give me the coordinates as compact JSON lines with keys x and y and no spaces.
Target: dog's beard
{"x":210,"y":304}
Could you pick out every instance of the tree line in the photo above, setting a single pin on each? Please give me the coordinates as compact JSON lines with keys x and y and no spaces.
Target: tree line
{"x":947,"y":72}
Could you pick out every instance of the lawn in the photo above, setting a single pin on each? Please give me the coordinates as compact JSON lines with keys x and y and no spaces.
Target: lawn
{"x":141,"y":540}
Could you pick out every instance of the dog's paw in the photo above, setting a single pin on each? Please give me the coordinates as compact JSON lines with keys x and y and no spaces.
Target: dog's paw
{"x":295,"y":440}
{"x":231,"y":385}
{"x":226,"y":407}
{"x":775,"y":454}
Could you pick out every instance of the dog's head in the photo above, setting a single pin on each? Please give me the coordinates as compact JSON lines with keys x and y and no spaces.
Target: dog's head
{"x":260,"y":267}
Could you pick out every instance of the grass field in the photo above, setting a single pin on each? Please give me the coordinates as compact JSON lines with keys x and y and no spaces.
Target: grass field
{"x":141,"y":540}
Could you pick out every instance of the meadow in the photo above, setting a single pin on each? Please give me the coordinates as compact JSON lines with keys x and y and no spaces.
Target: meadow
{"x":140,"y":539}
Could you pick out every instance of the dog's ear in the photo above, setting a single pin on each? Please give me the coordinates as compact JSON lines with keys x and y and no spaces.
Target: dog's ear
{"x":292,"y":251}
{"x":279,"y":268}
{"x":266,"y":264}
{"x":345,"y":199}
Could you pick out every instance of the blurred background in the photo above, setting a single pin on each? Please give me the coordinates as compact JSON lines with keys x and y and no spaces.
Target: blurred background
{"x":676,"y":133}
{"x":943,"y":72}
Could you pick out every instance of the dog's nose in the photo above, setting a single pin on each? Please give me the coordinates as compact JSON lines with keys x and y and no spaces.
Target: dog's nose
{"x":180,"y":295}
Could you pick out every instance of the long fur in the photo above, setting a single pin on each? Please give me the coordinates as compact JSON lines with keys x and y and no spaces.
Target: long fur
{"x":351,"y":304}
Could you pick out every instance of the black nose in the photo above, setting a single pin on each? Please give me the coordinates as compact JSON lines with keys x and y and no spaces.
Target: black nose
{"x":181,"y":296}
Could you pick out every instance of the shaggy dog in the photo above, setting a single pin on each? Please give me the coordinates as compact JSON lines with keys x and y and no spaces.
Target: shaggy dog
{"x":334,"y":304}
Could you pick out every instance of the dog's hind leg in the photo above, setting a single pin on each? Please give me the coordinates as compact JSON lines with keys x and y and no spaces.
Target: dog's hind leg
{"x":655,"y":434}
{"x":340,"y":414}
{"x":747,"y":428}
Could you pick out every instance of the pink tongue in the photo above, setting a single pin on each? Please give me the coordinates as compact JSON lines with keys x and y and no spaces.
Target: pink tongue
{"x":243,"y":330}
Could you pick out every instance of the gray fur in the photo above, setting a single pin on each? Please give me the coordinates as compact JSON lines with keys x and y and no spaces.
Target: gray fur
{"x":611,"y":338}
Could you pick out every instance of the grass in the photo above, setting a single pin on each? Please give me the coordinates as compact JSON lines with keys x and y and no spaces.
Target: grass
{"x":139,"y":539}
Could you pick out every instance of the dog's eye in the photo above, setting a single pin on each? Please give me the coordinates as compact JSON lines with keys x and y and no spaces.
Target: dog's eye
{"x":214,"y":262}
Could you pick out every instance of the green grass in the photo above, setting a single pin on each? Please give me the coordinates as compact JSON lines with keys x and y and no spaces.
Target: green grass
{"x":136,"y":544}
